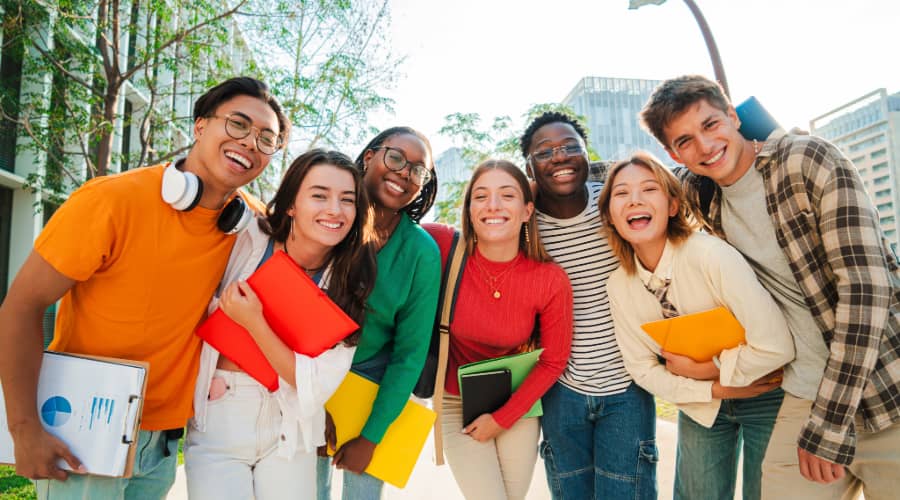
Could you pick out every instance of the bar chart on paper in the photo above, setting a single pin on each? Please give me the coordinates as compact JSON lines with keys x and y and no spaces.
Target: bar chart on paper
{"x":101,"y":411}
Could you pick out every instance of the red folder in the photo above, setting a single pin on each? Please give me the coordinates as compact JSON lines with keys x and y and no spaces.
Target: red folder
{"x":296,"y":309}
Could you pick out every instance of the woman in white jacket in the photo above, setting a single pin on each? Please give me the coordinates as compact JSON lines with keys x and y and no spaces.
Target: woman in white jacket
{"x":245,"y":442}
{"x":727,"y":405}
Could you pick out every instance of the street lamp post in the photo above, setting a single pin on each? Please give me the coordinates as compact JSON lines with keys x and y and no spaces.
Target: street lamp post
{"x":718,"y":69}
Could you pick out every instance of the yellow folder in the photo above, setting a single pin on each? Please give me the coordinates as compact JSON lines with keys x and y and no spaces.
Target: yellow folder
{"x":397,"y":453}
{"x":699,"y":336}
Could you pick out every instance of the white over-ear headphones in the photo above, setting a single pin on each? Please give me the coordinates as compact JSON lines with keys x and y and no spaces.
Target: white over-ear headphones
{"x":183,"y":190}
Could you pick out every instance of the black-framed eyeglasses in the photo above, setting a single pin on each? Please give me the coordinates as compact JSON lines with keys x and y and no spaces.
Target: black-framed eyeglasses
{"x":395,"y":160}
{"x":545,"y":155}
{"x":239,"y":126}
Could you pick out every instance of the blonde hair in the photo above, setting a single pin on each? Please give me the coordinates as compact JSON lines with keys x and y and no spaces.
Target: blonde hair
{"x":680,"y":225}
{"x":531,"y":244}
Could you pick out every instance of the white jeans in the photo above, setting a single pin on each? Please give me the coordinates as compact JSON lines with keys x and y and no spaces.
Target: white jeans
{"x":498,"y":469}
{"x":236,"y":458}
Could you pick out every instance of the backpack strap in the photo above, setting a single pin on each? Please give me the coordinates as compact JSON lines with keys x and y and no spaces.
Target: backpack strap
{"x":455,"y":262}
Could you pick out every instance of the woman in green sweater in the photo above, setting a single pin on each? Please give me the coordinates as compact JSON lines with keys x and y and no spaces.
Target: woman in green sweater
{"x":401,"y":184}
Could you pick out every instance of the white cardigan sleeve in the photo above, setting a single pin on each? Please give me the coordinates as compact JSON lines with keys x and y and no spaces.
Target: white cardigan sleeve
{"x":303,"y":406}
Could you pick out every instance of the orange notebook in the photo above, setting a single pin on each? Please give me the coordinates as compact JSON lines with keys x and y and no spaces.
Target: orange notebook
{"x":296,"y":309}
{"x":699,"y":336}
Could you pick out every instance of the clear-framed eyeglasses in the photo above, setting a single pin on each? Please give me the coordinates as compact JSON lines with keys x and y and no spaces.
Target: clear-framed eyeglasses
{"x":238,"y":127}
{"x":545,"y":155}
{"x":395,"y":160}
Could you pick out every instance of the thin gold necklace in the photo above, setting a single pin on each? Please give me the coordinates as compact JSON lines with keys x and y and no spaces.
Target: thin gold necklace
{"x":494,"y":282}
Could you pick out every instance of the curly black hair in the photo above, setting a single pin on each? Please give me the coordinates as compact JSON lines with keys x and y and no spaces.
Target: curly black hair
{"x":422,"y":204}
{"x":544,"y":119}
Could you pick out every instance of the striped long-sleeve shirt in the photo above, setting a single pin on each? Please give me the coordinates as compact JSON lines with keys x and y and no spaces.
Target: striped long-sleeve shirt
{"x":595,"y":366}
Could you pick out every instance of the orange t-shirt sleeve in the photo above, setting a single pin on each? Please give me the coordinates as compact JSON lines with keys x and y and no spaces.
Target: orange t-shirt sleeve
{"x":79,"y":238}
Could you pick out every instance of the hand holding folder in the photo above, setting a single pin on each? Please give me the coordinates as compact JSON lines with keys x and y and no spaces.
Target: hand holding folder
{"x":399,"y":449}
{"x":699,"y":336}
{"x":519,"y":366}
{"x":296,"y":309}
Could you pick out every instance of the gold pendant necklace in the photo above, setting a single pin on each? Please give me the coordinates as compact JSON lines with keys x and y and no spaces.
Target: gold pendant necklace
{"x":493,"y":281}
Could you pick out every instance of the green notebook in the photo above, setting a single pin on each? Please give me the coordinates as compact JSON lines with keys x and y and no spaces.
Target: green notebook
{"x":519,"y":366}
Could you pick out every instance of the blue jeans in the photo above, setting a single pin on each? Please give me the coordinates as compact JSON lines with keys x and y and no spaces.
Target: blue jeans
{"x":356,"y":486}
{"x":600,"y":447}
{"x":153,"y":476}
{"x":707,"y":459}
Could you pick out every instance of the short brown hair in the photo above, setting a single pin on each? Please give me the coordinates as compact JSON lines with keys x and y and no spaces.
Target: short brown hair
{"x":672,"y":97}
{"x":680,"y":225}
{"x":532,"y":245}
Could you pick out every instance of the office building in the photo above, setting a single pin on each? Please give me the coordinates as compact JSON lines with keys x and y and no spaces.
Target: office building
{"x":611,"y":107}
{"x":868,"y":131}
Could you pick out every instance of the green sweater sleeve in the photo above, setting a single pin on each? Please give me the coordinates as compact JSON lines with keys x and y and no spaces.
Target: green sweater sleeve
{"x":406,"y":294}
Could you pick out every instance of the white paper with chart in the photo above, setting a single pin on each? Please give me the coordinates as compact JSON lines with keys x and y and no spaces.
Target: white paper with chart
{"x":91,"y":404}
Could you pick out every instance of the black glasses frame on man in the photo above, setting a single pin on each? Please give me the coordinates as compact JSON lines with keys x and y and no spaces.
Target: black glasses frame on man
{"x":395,"y":160}
{"x":239,"y":126}
{"x":545,"y":155}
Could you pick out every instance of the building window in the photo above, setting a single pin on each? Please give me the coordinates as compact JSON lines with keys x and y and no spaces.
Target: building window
{"x":126,"y":137}
{"x":6,"y":196}
{"x":887,"y":220}
{"x":882,"y":180}
{"x":10,"y":85}
{"x":883,"y":192}
{"x":884,"y":208}
{"x":878,"y":154}
{"x":879,"y":167}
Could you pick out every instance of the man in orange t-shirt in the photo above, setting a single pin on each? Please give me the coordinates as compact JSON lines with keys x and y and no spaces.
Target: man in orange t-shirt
{"x":135,"y":258}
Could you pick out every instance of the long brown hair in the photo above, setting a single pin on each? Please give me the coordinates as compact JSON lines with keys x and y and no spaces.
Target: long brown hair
{"x":532,"y":245}
{"x":353,"y":264}
{"x":680,"y":225}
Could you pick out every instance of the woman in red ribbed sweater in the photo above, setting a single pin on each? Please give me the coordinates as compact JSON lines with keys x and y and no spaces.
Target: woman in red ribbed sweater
{"x":510,"y":288}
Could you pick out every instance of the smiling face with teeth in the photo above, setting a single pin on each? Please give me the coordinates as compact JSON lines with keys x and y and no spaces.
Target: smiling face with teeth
{"x":324,"y":208}
{"x":222,"y":162}
{"x":639,"y":209}
{"x":562,"y":178}
{"x":496,"y":209}
{"x":705,"y":139}
{"x":394,"y":190}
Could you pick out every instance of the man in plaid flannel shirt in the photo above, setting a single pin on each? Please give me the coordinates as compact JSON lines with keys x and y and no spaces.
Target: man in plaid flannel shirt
{"x":804,"y":221}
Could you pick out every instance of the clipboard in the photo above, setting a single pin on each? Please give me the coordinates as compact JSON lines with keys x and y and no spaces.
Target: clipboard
{"x":399,"y":449}
{"x":699,"y":336}
{"x":519,"y":365}
{"x":91,"y":403}
{"x":297,"y":310}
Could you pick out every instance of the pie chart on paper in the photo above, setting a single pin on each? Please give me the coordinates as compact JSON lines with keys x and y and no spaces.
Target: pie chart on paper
{"x":56,"y":411}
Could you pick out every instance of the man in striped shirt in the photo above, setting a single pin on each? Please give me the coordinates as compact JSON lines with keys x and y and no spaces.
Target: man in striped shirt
{"x":599,"y":427}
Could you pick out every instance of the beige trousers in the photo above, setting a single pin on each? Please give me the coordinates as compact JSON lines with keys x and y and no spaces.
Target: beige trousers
{"x":494,"y":470}
{"x":875,"y":470}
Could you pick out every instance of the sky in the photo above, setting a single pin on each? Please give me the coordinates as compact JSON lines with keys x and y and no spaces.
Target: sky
{"x":801,"y":58}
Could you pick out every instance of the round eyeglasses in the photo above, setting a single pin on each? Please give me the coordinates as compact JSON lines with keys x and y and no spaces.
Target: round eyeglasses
{"x":395,"y":160}
{"x":239,"y":126}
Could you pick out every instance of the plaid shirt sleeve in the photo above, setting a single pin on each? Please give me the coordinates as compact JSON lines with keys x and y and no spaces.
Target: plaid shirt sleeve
{"x":857,"y":299}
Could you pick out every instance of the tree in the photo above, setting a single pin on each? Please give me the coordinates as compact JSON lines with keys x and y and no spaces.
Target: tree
{"x":329,"y":61}
{"x":476,"y":144}
{"x":326,"y":61}
{"x":91,"y":51}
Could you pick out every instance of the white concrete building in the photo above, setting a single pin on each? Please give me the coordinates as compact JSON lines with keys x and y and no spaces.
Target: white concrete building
{"x":868,"y":131}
